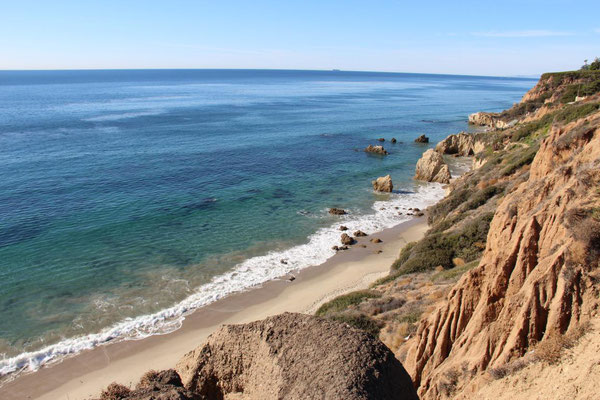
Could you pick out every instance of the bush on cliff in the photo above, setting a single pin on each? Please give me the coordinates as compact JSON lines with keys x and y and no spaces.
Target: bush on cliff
{"x":346,"y":300}
{"x":440,"y":249}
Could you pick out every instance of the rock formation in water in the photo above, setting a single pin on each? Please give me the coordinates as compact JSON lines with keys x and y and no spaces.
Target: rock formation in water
{"x":337,"y":211}
{"x":422,"y":139}
{"x":376,"y":150}
{"x":431,"y":167}
{"x":383,"y":184}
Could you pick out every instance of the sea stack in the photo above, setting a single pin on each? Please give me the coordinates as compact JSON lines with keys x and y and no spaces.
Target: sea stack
{"x":383,"y":184}
{"x":422,"y":139}
{"x":432,"y":168}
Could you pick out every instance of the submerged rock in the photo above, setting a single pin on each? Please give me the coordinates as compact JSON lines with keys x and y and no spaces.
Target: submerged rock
{"x":381,"y":139}
{"x":422,"y":139}
{"x":376,"y":149}
{"x":432,"y":168}
{"x":383,"y":184}
{"x":343,"y":228}
{"x":393,"y":140}
{"x":337,"y":211}
{"x":294,"y":356}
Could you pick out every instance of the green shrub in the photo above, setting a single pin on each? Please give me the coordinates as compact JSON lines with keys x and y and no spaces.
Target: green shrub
{"x":344,"y":301}
{"x":447,"y":205}
{"x":520,"y":159}
{"x":482,"y":196}
{"x":359,"y":321}
{"x":404,"y":254}
{"x":440,"y":249}
{"x":576,"y":111}
{"x":454,"y":273}
{"x":528,"y":129}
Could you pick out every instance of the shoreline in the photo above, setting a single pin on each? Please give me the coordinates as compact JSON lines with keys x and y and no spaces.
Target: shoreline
{"x":85,"y":374}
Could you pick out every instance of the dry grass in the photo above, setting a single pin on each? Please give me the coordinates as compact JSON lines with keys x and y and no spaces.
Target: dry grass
{"x":509,"y":368}
{"x":553,"y":348}
{"x":549,"y":351}
{"x":148,"y":379}
{"x":115,"y":391}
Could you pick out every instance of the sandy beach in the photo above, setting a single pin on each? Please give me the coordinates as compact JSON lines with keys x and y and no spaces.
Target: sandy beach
{"x":83,"y":376}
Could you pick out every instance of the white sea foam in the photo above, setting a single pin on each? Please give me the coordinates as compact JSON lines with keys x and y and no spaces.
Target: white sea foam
{"x":126,"y":115}
{"x":250,"y":273}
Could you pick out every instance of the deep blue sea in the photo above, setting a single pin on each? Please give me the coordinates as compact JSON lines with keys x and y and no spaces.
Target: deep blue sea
{"x":128,"y":198}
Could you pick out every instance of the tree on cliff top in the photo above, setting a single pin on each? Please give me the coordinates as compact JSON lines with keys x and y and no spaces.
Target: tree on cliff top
{"x":594,"y":66}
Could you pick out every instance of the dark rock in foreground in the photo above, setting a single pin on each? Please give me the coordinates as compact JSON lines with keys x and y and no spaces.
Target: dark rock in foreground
{"x":294,"y":356}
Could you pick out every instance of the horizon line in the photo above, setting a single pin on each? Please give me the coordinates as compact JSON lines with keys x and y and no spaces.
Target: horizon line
{"x":535,"y":76}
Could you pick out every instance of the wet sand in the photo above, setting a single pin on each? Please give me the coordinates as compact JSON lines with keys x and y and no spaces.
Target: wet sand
{"x":84,"y":375}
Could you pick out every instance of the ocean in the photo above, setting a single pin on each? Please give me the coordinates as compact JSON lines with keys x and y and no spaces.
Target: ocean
{"x":128,"y":198}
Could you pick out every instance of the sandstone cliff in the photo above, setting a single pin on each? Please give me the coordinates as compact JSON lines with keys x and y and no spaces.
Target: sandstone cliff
{"x":462,"y":144}
{"x":537,"y":276}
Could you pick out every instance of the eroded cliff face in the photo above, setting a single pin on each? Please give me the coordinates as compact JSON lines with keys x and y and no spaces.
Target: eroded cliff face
{"x":539,"y":273}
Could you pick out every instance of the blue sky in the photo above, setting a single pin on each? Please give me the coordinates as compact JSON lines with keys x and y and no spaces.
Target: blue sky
{"x":473,"y":37}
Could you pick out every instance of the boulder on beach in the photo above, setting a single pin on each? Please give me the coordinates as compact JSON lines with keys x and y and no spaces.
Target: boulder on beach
{"x":383,"y":184}
{"x":359,"y":233}
{"x":294,"y":356}
{"x":376,"y":150}
{"x":376,"y":240}
{"x":343,"y":228}
{"x":431,"y":167}
{"x":422,"y":139}
{"x":346,"y":240}
{"x":337,"y":211}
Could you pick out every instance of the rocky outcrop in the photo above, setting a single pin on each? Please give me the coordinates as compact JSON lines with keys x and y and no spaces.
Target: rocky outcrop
{"x":422,"y":139}
{"x":536,"y":277}
{"x":492,"y":120}
{"x":383,"y":184}
{"x":163,"y":385}
{"x":376,"y":150}
{"x":461,"y":144}
{"x":431,"y":167}
{"x":294,"y":356}
{"x":346,"y":240}
{"x":337,"y":211}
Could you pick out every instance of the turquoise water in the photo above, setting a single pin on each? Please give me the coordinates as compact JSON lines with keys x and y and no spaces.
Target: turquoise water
{"x":128,"y":198}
